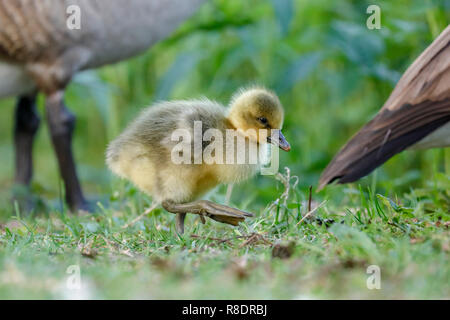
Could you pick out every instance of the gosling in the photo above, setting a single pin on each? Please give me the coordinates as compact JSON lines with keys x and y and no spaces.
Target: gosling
{"x":148,"y":152}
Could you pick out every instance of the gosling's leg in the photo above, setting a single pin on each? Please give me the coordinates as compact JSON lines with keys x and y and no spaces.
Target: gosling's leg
{"x":179,"y":222}
{"x":206,"y":208}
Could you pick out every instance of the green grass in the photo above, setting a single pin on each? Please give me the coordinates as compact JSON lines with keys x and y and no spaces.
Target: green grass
{"x":332,"y":75}
{"x":271,"y":256}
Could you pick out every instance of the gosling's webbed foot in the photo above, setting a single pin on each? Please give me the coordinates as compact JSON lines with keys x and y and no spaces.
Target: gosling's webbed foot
{"x":206,"y":208}
{"x":225,"y":214}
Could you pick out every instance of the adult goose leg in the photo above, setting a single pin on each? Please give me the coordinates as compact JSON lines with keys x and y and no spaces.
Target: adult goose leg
{"x":26,"y":125}
{"x":62,"y":123}
{"x":206,"y":208}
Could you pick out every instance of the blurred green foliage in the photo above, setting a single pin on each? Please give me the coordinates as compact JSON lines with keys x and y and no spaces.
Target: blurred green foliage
{"x":332,"y":75}
{"x":331,"y":72}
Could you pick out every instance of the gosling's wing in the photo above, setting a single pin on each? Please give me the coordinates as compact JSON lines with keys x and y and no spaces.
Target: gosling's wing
{"x":419,"y":104}
{"x":173,"y":124}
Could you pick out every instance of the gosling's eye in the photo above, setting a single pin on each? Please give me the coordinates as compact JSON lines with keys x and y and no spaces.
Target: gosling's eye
{"x":263,"y":120}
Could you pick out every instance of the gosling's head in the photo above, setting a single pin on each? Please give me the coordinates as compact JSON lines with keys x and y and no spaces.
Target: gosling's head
{"x":254,"y":109}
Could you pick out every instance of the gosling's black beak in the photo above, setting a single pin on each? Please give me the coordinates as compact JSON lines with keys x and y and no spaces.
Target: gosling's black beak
{"x":279,"y":140}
